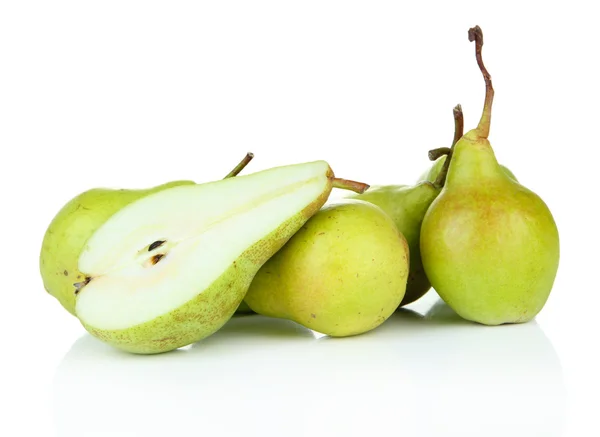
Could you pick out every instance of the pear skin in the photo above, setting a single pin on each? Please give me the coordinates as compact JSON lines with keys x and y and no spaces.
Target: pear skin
{"x":433,"y":172}
{"x":343,"y":273}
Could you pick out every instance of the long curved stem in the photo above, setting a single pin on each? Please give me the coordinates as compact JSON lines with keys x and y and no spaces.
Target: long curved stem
{"x":238,"y":168}
{"x":476,"y":34}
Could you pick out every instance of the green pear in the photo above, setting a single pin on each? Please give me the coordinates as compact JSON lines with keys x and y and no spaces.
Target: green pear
{"x":489,"y":245}
{"x":343,"y":273}
{"x":433,"y":172}
{"x":75,"y":223}
{"x":407,"y":205}
{"x":171,"y":268}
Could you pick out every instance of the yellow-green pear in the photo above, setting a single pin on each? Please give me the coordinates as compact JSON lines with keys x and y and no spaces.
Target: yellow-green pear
{"x":171,"y":268}
{"x":407,"y":205}
{"x":75,"y":223}
{"x":489,"y":245}
{"x":343,"y":273}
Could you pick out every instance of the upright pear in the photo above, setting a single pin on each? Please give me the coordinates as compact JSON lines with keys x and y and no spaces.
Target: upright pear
{"x":75,"y":223}
{"x":489,"y":245}
{"x":407,"y":205}
{"x":171,"y":268}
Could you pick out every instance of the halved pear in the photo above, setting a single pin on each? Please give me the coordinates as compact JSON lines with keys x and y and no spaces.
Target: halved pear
{"x":171,"y":268}
{"x":75,"y":223}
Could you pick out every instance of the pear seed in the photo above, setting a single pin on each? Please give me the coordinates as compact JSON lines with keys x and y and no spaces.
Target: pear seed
{"x":156,"y":244}
{"x":156,"y":258}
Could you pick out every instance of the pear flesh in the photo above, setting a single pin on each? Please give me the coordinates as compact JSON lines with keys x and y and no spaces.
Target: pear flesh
{"x":343,"y":273}
{"x":171,"y":268}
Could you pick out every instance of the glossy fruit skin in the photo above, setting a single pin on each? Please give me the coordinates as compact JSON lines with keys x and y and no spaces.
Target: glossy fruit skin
{"x":490,"y":246}
{"x":70,"y":229}
{"x":432,"y":173}
{"x":343,"y":273}
{"x":406,"y":206}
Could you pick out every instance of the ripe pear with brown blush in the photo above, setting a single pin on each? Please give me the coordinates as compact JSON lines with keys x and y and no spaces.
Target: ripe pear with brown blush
{"x":75,"y":223}
{"x":407,"y":205}
{"x":343,"y":273}
{"x":489,"y":245}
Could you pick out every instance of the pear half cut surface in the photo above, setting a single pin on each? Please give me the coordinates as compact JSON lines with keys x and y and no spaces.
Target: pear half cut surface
{"x":75,"y":223}
{"x":172,"y":267}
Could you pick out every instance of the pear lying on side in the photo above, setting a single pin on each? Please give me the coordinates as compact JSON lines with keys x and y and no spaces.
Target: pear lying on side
{"x":407,"y":205}
{"x":489,"y":245}
{"x":75,"y":223}
{"x":433,"y":172}
{"x":172,"y":267}
{"x":343,"y":273}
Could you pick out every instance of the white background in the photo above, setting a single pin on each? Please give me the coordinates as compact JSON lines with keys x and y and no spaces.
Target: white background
{"x":133,"y":94}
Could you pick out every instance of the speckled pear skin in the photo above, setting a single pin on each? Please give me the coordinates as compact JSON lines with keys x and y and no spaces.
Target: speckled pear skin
{"x":213,"y":307}
{"x":490,"y":246}
{"x":70,"y":229}
{"x":407,"y":205}
{"x":433,"y":172}
{"x":343,"y":273}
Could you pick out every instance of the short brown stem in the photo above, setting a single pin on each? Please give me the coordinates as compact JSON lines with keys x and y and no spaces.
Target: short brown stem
{"x":458,"y":133}
{"x":238,"y":168}
{"x":459,"y":123}
{"x":345,"y":184}
{"x":437,"y":153}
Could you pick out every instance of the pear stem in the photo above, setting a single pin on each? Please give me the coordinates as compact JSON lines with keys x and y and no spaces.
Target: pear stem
{"x":476,"y":34}
{"x":438,"y":153}
{"x":238,"y":168}
{"x":345,"y":184}
{"x":459,"y":125}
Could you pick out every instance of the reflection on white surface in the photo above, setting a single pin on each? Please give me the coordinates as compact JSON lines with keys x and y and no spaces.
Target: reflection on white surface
{"x":416,"y":375}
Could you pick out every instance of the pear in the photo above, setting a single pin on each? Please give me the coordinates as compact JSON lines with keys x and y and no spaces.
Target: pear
{"x":433,"y":172}
{"x":343,"y":273}
{"x":489,"y":245}
{"x":74,"y":224}
{"x":407,"y":205}
{"x":171,"y":268}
